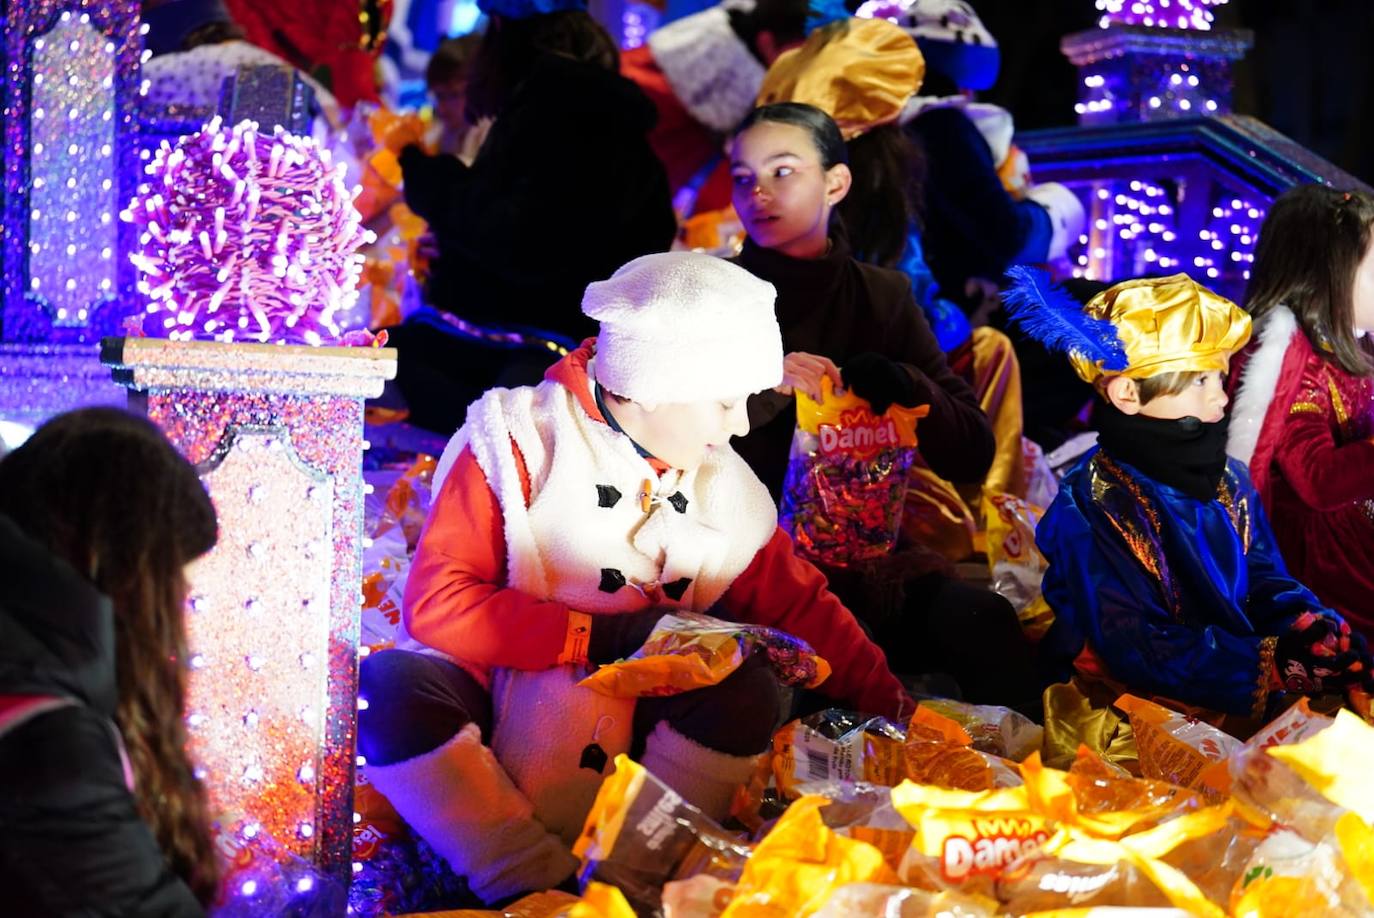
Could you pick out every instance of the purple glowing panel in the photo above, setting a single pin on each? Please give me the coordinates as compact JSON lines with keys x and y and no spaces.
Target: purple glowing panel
{"x":72,"y":233}
{"x":1154,"y":87}
{"x":71,"y":84}
{"x":1136,"y":229}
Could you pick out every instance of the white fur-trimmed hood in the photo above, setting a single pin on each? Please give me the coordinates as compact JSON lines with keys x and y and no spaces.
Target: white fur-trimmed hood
{"x":1260,"y":378}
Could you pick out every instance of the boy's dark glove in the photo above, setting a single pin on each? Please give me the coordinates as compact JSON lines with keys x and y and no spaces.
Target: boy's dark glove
{"x":616,"y":635}
{"x":1319,"y":654}
{"x":882,"y":383}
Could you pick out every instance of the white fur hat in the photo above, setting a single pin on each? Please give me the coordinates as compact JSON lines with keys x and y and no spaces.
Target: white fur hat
{"x":684,"y":327}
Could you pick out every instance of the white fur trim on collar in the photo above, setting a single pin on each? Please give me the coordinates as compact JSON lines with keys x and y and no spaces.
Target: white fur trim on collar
{"x":1258,"y":382}
{"x":712,"y":72}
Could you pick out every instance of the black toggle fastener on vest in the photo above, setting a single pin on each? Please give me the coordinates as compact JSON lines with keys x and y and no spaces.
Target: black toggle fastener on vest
{"x":611,"y":580}
{"x":675,"y":589}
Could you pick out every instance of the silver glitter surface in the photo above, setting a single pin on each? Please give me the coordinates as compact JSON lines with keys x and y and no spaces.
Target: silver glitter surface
{"x":73,"y":236}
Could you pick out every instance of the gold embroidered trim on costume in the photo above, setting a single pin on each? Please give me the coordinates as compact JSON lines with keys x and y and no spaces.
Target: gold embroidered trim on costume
{"x":1147,"y":548}
{"x":1305,"y":408}
{"x":1266,"y":671}
{"x":1337,"y":403}
{"x":1239,"y":510}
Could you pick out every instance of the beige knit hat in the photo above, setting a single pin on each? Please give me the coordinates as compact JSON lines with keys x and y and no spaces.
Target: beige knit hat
{"x":684,"y":327}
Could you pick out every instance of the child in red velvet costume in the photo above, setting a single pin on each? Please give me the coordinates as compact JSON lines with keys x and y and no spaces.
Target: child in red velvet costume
{"x":1303,"y":416}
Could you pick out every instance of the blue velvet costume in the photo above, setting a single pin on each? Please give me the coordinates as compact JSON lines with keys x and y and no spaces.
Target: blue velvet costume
{"x":1176,"y":597}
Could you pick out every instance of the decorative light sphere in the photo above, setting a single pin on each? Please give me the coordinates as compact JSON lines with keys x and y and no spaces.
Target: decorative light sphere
{"x":246,"y":237}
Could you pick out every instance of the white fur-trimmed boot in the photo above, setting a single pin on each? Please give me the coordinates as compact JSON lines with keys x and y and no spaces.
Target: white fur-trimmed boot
{"x":705,"y":778}
{"x":460,"y":800}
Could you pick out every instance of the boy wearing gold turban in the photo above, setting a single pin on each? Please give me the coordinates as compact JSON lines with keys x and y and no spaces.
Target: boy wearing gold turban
{"x":1163,"y":572}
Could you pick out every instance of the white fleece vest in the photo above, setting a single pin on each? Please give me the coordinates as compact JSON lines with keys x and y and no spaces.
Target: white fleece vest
{"x":585,"y":540}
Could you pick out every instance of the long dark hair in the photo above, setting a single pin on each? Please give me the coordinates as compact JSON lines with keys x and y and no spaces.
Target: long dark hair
{"x":1310,"y":244}
{"x":511,"y":47}
{"x":105,"y":491}
{"x":884,"y":198}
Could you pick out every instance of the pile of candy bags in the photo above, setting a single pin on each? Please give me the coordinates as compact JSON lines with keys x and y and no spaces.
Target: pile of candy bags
{"x":955,"y":814}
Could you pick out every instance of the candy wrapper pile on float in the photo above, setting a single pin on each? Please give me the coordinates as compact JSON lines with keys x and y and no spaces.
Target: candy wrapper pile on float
{"x":248,"y":238}
{"x":1284,"y":830}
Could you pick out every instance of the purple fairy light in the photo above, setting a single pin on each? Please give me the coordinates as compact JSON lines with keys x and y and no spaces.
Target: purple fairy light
{"x":245,"y":237}
{"x":1163,"y":14}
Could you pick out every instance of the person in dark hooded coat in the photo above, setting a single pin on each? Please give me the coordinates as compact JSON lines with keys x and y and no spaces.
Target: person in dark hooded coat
{"x":101,"y":812}
{"x":564,"y":190}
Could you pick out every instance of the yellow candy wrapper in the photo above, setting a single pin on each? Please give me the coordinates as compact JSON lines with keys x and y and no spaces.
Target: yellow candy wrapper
{"x":1110,"y":912}
{"x":688,"y":650}
{"x":846,"y":477}
{"x":1052,"y":885}
{"x":1336,"y":761}
{"x":797,"y":866}
{"x":1015,"y":562}
{"x":1145,"y":851}
{"x":1094,"y":801}
{"x":972,"y":834}
{"x":1289,"y":875}
{"x":701,"y":896}
{"x":905,"y":902}
{"x":991,"y":728}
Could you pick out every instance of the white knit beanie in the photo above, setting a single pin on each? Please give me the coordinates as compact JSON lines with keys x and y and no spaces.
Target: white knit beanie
{"x":684,"y":327}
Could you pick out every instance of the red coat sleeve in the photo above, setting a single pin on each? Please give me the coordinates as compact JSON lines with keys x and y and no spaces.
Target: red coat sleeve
{"x":455,"y":598}
{"x":786,"y":592}
{"x":1325,"y":474}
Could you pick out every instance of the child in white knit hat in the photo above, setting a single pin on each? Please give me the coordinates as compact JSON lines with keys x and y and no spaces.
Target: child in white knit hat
{"x":569,"y":517}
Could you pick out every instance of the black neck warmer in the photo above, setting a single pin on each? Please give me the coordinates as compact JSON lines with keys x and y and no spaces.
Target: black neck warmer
{"x":1185,"y":454}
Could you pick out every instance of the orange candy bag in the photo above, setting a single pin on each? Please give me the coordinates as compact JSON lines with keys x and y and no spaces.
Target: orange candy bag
{"x":689,"y":650}
{"x":940,"y":752}
{"x":1175,"y":747}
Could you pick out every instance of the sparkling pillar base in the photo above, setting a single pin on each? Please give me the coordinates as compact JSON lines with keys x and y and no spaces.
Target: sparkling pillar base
{"x":276,"y":433}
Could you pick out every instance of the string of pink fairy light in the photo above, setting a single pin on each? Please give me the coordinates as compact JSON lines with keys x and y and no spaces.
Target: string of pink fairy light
{"x":246,"y":237}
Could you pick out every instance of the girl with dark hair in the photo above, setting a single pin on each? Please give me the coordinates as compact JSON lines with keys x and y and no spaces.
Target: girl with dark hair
{"x":857,"y":324}
{"x":864,"y":73}
{"x":1303,"y":413}
{"x":99,"y":517}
